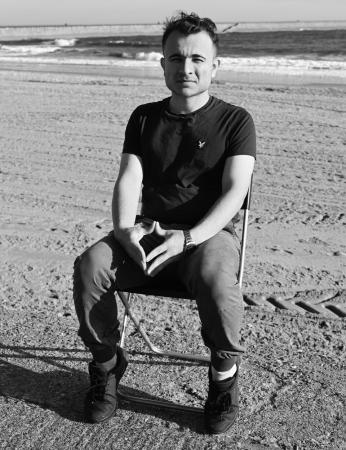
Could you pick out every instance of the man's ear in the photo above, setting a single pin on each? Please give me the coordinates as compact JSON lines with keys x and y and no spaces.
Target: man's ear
{"x":162,"y":62}
{"x":216,"y":65}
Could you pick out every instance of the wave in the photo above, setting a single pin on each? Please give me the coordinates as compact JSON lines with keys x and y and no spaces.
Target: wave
{"x":140,"y":56}
{"x":292,"y":65}
{"x":36,"y":48}
{"x":65,"y":42}
{"x":151,"y":56}
{"x":122,"y":62}
{"x":60,"y":44}
{"x":21,"y":50}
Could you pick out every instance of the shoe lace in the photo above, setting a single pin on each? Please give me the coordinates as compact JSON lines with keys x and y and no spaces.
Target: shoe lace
{"x":97,"y":388}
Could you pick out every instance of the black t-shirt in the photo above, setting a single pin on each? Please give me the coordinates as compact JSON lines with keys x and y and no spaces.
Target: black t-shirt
{"x":184,"y":155}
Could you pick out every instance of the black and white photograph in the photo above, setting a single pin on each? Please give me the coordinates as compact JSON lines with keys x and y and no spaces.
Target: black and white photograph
{"x":172,"y":224}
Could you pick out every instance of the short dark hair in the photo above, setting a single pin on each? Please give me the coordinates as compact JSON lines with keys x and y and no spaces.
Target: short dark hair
{"x":189,"y":24}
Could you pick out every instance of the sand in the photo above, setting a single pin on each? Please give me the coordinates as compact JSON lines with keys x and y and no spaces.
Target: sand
{"x":60,"y":140}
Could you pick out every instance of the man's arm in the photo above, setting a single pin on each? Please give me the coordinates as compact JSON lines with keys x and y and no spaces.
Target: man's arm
{"x":126,"y":192}
{"x":235,"y":183}
{"x":126,"y":195}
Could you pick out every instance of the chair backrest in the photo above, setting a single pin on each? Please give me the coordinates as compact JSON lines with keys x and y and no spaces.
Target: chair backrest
{"x":247,"y":200}
{"x":246,"y":208}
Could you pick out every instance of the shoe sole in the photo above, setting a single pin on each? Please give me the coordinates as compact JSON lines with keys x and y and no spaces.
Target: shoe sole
{"x":211,"y":431}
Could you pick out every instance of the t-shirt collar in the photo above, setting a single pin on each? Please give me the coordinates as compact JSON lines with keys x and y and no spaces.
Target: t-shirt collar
{"x":188,"y":115}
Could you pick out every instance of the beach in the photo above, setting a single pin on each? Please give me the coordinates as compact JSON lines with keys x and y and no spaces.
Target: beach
{"x":61,"y":134}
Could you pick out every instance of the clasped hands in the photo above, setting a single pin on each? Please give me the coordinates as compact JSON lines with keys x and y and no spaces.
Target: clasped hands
{"x":153,"y":254}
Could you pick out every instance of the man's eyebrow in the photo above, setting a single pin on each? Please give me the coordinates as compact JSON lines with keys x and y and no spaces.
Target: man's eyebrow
{"x":174,"y":55}
{"x":179,"y":55}
{"x":197,"y":55}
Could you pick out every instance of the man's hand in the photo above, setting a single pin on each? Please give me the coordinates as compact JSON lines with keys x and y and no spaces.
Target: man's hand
{"x":163,"y":254}
{"x":130,"y":238}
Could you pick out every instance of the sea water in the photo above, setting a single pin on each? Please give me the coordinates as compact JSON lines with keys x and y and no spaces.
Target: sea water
{"x":316,"y":50}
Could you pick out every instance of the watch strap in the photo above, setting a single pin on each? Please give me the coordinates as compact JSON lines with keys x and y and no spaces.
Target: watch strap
{"x":189,"y":243}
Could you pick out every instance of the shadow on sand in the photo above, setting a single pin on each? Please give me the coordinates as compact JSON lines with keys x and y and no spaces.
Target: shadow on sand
{"x":62,"y":390}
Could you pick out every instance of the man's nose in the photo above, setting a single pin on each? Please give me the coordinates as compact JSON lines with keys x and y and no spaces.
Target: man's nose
{"x":186,"y":66}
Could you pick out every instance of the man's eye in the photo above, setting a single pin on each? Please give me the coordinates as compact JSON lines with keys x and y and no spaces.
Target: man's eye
{"x":200,"y":60}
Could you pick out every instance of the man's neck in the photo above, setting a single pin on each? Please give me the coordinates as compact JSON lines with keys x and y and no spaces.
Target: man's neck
{"x":186,"y":105}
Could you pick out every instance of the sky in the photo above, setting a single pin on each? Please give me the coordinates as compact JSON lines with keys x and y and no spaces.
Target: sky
{"x":59,"y":12}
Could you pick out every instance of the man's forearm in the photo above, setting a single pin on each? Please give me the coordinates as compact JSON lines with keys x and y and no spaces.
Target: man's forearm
{"x":217,"y":217}
{"x":124,"y":207}
{"x":126,"y":193}
{"x":235,"y":182}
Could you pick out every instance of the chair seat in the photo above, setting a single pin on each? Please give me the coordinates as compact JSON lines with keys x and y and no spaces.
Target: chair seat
{"x":177,"y":291}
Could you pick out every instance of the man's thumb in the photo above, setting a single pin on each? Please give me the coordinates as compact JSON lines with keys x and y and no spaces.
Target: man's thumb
{"x":159,"y":231}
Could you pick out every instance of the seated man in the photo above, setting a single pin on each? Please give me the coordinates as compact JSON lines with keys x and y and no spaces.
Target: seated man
{"x":190,"y":157}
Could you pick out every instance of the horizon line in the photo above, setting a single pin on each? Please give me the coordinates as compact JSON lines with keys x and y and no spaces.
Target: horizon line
{"x":162,"y":23}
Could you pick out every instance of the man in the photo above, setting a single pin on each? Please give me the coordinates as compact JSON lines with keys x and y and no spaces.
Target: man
{"x":191,"y":157}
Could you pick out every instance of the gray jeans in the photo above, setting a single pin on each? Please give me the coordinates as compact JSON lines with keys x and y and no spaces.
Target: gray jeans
{"x":208,"y":272}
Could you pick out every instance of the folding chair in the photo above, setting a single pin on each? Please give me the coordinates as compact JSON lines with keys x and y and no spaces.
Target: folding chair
{"x":127,"y":295}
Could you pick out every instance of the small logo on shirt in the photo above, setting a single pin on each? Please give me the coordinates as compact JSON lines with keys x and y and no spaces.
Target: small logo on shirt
{"x":201,"y":144}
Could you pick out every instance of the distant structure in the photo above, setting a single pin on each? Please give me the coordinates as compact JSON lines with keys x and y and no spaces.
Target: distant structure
{"x":230,"y":27}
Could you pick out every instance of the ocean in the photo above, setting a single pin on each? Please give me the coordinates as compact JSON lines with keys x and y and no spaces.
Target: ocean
{"x":313,"y":49}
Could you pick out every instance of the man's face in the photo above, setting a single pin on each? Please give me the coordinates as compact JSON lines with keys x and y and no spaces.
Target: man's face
{"x":189,"y":63}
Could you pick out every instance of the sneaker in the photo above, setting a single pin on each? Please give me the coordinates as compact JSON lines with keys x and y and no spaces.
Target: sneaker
{"x":101,"y":401}
{"x":222,"y":405}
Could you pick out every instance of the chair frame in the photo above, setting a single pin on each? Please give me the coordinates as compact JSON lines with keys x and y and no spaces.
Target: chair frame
{"x":126,"y":296}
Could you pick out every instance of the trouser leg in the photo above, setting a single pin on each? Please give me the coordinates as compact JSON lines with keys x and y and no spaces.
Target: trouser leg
{"x":98,"y":272}
{"x":210,"y":273}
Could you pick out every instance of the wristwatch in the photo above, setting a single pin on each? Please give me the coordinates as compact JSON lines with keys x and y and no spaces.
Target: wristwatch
{"x":189,"y":243}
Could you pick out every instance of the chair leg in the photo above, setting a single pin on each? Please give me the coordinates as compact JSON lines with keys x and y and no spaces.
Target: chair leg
{"x":243,"y":246}
{"x":125,"y":297}
{"x":124,"y":326}
{"x":158,"y":403}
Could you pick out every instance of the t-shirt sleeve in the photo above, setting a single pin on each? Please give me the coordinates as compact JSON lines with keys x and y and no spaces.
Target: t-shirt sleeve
{"x":132,"y":141}
{"x":242,"y":139}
